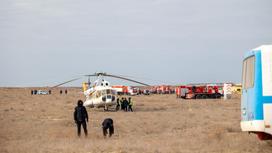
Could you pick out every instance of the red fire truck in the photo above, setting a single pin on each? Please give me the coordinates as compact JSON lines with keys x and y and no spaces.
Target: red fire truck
{"x":162,"y":89}
{"x":199,"y":91}
{"x":125,"y":90}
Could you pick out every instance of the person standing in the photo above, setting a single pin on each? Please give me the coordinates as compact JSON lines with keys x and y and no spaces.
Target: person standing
{"x":130,"y":104}
{"x":81,"y":117}
{"x":122,"y":103}
{"x":125,"y":104}
{"x":117,"y":104}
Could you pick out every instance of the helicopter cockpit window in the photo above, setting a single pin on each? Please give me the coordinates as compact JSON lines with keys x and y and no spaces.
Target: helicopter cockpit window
{"x":103,"y":92}
{"x":108,"y":91}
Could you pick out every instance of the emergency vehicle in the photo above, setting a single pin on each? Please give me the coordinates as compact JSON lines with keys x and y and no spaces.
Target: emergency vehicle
{"x":162,"y":89}
{"x":256,"y":101}
{"x":125,"y":90}
{"x":199,"y":91}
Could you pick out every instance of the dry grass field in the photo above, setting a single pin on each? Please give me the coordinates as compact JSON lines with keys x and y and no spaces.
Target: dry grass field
{"x":160,"y":123}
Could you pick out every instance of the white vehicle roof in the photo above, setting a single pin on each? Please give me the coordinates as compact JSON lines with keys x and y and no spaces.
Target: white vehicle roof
{"x":264,"y":47}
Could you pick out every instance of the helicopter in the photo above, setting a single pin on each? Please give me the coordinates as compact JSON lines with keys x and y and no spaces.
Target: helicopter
{"x":100,"y":93}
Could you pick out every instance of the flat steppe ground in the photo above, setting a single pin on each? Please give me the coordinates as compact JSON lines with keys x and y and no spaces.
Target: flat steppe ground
{"x":159,"y":123}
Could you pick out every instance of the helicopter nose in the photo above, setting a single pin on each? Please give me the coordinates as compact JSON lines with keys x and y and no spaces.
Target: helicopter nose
{"x":109,"y":98}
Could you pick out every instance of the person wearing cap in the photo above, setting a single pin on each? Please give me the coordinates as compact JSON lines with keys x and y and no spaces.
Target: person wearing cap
{"x":81,"y":117}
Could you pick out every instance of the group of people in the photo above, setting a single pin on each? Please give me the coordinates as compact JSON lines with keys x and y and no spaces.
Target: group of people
{"x":81,"y":118}
{"x":45,"y":92}
{"x":65,"y":91}
{"x":125,"y":104}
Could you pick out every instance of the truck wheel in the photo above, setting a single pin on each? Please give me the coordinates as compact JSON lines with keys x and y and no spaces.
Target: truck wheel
{"x":264,"y":136}
{"x":204,"y":96}
{"x":198,"y":97}
{"x":217,"y":96}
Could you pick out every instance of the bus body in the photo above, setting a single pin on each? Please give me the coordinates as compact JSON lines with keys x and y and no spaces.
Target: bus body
{"x":256,"y":101}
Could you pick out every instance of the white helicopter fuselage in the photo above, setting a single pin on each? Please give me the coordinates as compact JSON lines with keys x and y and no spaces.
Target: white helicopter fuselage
{"x":99,"y":93}
{"x":100,"y":96}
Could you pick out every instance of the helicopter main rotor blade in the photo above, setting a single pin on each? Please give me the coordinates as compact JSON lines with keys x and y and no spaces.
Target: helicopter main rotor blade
{"x":123,"y":78}
{"x":100,"y":74}
{"x":66,"y":82}
{"x":90,"y":75}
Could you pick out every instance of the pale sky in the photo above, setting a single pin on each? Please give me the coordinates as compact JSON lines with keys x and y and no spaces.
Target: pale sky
{"x":45,"y":42}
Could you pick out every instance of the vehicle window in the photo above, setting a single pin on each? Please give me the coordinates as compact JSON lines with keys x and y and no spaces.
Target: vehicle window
{"x":103,"y":92}
{"x":244,"y":74}
{"x":248,"y":72}
{"x":113,"y":91}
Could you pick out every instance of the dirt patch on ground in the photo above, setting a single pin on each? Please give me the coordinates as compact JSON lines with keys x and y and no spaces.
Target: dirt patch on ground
{"x":160,"y":123}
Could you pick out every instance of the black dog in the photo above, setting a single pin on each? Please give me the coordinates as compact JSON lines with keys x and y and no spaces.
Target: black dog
{"x":108,"y":124}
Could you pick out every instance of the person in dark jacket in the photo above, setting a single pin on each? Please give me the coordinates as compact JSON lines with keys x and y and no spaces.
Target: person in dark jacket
{"x":130,"y":104}
{"x":80,"y":117}
{"x":125,"y":104}
{"x":122,"y":103}
{"x":117,"y":104}
{"x":108,"y":124}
